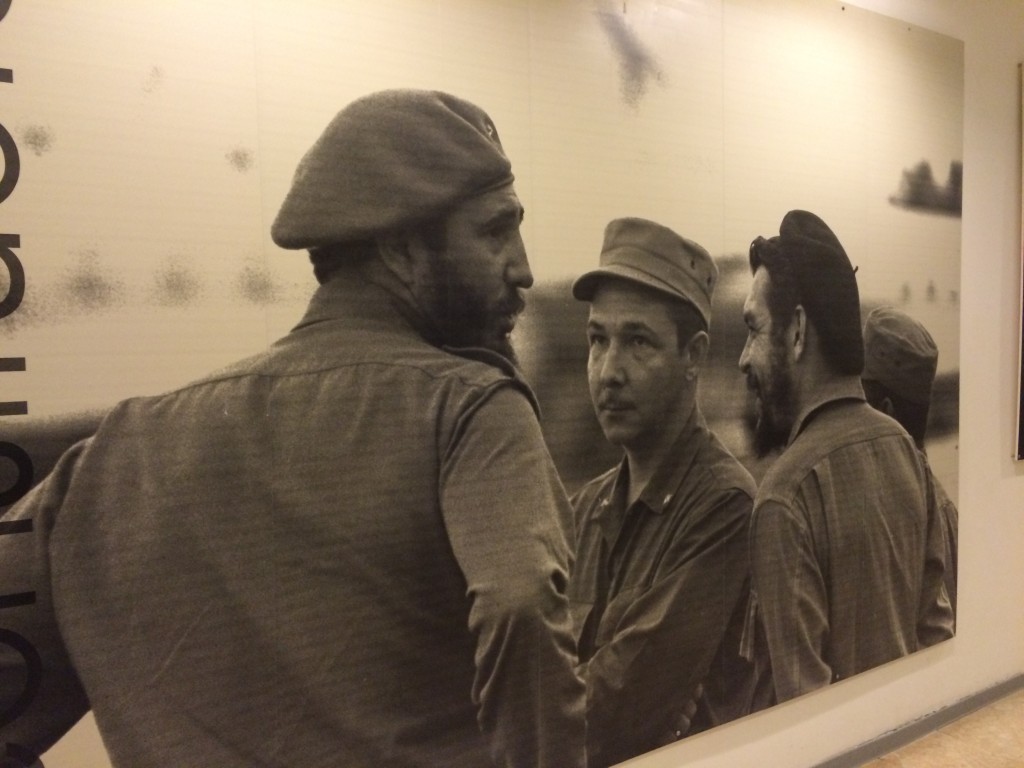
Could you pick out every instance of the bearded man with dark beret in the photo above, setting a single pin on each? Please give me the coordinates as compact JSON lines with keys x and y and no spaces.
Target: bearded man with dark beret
{"x":846,"y":548}
{"x":351,"y":549}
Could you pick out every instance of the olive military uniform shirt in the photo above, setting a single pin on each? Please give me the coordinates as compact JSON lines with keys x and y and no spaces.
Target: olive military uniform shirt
{"x":846,"y":551}
{"x":659,"y":594}
{"x":950,"y":517}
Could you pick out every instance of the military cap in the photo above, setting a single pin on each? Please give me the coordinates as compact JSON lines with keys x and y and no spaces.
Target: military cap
{"x":900,"y":354}
{"x":388,"y":161}
{"x":825,"y":281}
{"x":652,"y":255}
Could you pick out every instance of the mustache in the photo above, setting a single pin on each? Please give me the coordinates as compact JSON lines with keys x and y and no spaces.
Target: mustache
{"x":515,"y":304}
{"x":608,"y":399}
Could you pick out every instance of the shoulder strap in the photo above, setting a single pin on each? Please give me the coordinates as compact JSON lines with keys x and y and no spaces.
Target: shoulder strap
{"x":503,"y":364}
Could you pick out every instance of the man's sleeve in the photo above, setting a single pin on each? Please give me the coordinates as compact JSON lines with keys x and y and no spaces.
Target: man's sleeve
{"x":935,"y":615}
{"x":509,"y":524}
{"x":639,"y":682}
{"x":791,"y":599}
{"x":40,"y":694}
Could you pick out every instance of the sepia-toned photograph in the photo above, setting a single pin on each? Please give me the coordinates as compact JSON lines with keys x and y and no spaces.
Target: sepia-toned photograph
{"x":467,"y":383}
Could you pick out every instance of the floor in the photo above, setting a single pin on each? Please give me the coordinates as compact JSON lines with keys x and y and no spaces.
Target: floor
{"x":992,"y":737}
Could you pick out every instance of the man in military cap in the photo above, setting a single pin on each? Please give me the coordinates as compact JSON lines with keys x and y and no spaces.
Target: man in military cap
{"x":351,"y":549}
{"x":846,"y":551}
{"x":661,"y":581}
{"x":900,"y":360}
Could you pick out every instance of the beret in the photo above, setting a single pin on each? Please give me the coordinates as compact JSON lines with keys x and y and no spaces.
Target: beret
{"x":387,"y":161}
{"x":652,"y":255}
{"x":900,"y":354}
{"x":825,"y":281}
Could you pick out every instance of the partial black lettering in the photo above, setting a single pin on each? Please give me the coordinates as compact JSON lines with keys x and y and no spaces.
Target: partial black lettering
{"x":23,"y":463}
{"x":12,"y":164}
{"x":16,"y":289}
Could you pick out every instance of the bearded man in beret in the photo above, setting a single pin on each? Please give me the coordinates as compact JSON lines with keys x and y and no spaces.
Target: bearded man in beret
{"x":846,"y":550}
{"x":351,"y":549}
{"x":900,"y":360}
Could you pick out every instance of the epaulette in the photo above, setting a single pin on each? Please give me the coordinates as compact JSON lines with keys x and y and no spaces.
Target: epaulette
{"x":503,"y":364}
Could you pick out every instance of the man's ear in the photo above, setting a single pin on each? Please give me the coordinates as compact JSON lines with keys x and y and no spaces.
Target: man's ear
{"x":394,"y":253}
{"x":798,"y":332}
{"x":887,"y":407}
{"x":405,"y":255}
{"x":696,"y":352}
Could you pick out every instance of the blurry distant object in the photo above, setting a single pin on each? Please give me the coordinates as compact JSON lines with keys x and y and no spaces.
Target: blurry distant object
{"x":637,"y":64}
{"x":919,"y":191}
{"x":552,"y":345}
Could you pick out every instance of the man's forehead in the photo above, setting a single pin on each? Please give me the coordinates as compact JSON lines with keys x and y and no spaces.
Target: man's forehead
{"x":625,"y":303}
{"x":757,"y":298}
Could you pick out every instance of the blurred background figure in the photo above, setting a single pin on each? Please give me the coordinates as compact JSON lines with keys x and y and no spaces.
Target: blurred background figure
{"x":900,"y":360}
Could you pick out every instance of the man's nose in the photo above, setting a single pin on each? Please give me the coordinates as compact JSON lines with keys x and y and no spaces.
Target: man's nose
{"x":612,"y":371}
{"x":744,"y":362}
{"x":518,"y":272}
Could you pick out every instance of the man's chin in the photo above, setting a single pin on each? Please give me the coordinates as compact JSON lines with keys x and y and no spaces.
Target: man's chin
{"x":617,"y":427}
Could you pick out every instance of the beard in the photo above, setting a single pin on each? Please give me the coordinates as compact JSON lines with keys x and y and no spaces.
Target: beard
{"x":465,"y":317}
{"x":775,"y":394}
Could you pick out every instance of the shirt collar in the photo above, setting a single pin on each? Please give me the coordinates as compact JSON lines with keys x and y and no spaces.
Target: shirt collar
{"x":349,"y":295}
{"x":675,"y":464}
{"x":662,"y":486}
{"x":844,"y":388}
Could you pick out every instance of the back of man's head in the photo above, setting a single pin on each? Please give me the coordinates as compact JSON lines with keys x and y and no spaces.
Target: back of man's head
{"x":900,"y":361}
{"x":809,"y":267}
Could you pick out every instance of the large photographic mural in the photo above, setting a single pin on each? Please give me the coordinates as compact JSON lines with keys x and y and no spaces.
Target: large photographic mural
{"x":147,"y":149}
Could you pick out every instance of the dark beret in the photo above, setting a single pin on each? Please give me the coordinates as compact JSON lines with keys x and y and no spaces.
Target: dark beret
{"x":652,"y":255}
{"x":900,"y":354}
{"x":825,"y":282}
{"x":388,"y":161}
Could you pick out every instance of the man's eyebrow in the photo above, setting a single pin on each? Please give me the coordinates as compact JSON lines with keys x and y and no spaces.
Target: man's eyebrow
{"x":511,"y":214}
{"x":630,"y":326}
{"x":636,"y":326}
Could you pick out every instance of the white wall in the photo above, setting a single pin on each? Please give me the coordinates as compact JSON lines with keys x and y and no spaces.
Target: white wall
{"x":989,"y":646}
